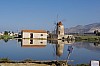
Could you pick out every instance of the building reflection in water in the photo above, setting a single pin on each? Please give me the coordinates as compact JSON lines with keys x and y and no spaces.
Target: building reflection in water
{"x":59,"y":49}
{"x":97,"y":44}
{"x":33,"y":43}
{"x":93,"y":46}
{"x":60,"y":46}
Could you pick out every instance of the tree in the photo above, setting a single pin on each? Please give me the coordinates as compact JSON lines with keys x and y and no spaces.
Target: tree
{"x":5,"y":32}
{"x":6,"y":40}
{"x":96,"y":32}
{"x":12,"y":32}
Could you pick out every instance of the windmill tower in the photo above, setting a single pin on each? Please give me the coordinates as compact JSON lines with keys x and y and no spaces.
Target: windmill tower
{"x":60,"y":28}
{"x":59,"y":49}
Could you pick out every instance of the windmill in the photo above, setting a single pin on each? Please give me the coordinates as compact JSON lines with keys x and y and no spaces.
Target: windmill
{"x":57,"y":24}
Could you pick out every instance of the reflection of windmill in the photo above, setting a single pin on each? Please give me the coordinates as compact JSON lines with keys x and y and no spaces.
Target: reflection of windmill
{"x":58,"y":49}
{"x":55,"y":52}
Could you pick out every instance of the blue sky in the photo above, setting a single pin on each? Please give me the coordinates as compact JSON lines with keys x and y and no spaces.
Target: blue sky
{"x":42,"y":14}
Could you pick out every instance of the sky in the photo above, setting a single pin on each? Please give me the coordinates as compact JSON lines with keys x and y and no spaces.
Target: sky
{"x":16,"y":15}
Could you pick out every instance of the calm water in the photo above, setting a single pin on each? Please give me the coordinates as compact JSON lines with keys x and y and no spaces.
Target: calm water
{"x":79,"y":52}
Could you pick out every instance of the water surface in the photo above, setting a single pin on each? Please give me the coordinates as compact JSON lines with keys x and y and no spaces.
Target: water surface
{"x":79,"y":52}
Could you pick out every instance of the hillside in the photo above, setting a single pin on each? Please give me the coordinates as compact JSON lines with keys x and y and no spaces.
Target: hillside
{"x":83,"y":29}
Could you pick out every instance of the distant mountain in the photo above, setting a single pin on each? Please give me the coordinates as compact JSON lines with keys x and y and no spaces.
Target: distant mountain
{"x":83,"y":29}
{"x":87,"y":45}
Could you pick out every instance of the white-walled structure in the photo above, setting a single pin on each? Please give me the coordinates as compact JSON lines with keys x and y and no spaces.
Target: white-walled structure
{"x":34,"y":34}
{"x":2,"y":33}
{"x":60,"y":29}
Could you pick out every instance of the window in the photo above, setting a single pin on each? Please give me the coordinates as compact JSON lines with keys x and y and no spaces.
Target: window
{"x":59,"y":32}
{"x":41,"y":42}
{"x":31,"y":41}
{"x":31,"y":35}
{"x":63,"y":37}
{"x":41,"y":34}
{"x":62,"y":40}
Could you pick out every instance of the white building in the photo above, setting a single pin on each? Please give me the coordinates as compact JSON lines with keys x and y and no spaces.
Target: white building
{"x":33,"y":43}
{"x":60,"y":29}
{"x":2,"y":33}
{"x":34,"y":34}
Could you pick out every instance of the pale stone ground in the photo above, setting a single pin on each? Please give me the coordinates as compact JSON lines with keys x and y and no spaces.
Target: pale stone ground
{"x":22,"y":64}
{"x":27,"y":64}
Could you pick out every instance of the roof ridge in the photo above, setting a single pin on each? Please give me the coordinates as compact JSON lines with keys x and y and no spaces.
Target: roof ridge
{"x":35,"y":31}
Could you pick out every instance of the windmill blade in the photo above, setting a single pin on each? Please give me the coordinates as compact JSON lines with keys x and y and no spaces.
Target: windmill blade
{"x":55,"y":26}
{"x":55,"y":29}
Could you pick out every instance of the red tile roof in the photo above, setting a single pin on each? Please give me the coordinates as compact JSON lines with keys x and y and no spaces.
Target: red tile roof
{"x":59,"y":23}
{"x":34,"y":46}
{"x":35,"y":31}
